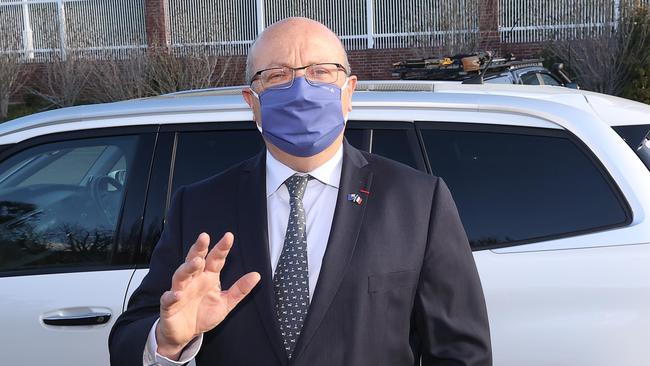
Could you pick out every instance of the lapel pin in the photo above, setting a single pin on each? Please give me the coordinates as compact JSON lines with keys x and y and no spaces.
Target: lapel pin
{"x":353,"y":197}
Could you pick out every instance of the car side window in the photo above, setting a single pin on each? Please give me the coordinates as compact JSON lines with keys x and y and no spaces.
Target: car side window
{"x":201,"y":154}
{"x":359,"y":138}
{"x":548,"y":79}
{"x":637,"y":138}
{"x":530,"y":79}
{"x":398,"y":142}
{"x":499,"y":79}
{"x":60,"y":203}
{"x":633,"y":135}
{"x":521,"y":185}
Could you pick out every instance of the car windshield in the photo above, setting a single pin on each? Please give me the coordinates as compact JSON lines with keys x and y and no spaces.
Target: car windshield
{"x":638,"y":138}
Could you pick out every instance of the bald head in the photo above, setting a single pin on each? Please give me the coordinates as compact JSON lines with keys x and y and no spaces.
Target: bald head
{"x":295,"y":42}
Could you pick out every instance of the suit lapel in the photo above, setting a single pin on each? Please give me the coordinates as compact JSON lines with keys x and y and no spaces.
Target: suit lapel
{"x":254,"y":246}
{"x":348,"y":216}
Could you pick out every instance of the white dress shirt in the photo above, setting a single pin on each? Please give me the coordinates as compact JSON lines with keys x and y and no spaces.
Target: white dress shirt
{"x":319,"y":203}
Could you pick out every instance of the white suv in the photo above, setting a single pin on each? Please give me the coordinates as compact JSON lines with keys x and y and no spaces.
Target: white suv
{"x":555,"y":203}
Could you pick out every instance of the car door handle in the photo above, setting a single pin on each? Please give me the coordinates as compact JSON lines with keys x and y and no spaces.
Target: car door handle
{"x":92,"y":318}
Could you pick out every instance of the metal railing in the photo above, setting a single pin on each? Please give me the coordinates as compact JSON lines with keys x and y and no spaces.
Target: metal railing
{"x":524,"y":21}
{"x":43,"y":29}
{"x":230,"y":26}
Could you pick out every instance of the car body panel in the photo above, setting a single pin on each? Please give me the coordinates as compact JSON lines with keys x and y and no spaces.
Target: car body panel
{"x":568,"y":307}
{"x":26,"y":300}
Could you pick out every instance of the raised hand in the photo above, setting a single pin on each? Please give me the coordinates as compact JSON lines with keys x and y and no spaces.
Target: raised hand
{"x":196,"y":303}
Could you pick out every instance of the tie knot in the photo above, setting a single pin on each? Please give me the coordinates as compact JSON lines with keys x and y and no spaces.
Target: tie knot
{"x":296,"y":184}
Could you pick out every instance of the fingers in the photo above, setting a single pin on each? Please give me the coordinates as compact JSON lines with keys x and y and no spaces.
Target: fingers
{"x":168,"y":299}
{"x":188,"y":270}
{"x":241,"y":288}
{"x":200,"y":247}
{"x":217,"y":256}
{"x":194,"y":262}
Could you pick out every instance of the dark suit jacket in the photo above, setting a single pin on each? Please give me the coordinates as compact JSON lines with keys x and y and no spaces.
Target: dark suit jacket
{"x":398,"y":281}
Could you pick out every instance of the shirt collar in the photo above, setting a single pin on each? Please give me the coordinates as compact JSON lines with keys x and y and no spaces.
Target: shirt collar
{"x":329,"y":173}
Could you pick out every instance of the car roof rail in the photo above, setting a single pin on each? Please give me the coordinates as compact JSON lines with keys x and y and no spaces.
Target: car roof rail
{"x":225,"y":90}
{"x":395,"y":85}
{"x":365,"y":85}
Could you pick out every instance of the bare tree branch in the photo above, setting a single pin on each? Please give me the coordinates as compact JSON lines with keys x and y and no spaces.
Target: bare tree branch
{"x":169,"y":73}
{"x":604,"y":60}
{"x":12,"y":69}
{"x":63,"y":81}
{"x":113,"y":80}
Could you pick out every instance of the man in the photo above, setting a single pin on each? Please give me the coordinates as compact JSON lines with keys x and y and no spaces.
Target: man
{"x":338,"y":257}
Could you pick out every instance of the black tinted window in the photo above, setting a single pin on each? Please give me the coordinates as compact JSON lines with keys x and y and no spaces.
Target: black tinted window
{"x":60,"y":202}
{"x":396,"y":141}
{"x":398,"y":144}
{"x":633,"y":134}
{"x":202,"y":154}
{"x":512,"y":187}
{"x":358,"y":138}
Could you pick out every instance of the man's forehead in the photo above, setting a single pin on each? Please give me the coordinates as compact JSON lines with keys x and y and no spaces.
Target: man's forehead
{"x":296,"y":42}
{"x":294,"y":52}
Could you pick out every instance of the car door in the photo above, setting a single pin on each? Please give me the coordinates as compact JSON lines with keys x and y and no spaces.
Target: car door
{"x":563,"y":264}
{"x":70,"y":209}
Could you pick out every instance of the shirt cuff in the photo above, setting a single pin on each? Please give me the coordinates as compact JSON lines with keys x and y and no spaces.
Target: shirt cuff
{"x":151,"y":357}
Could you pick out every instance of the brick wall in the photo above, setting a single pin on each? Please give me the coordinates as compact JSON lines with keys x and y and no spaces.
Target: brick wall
{"x":488,"y":25}
{"x":157,"y":22}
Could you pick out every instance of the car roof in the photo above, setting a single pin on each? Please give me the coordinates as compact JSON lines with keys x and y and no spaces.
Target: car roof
{"x":369,"y":94}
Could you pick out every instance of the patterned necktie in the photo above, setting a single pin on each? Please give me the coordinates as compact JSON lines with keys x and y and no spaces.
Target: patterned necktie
{"x":291,"y":279}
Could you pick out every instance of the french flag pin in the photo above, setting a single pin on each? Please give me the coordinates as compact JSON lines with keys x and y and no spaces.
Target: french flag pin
{"x":353,"y":197}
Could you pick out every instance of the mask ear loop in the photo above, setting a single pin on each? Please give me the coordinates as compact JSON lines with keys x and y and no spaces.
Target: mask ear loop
{"x":344,"y":86}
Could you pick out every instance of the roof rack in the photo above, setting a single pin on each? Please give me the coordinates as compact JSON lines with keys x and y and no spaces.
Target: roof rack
{"x":461,"y":67}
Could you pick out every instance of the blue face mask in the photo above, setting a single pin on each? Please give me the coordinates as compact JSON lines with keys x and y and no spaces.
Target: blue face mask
{"x":302,"y":120}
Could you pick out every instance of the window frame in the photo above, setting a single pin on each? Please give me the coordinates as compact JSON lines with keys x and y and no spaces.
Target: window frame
{"x":129,"y":225}
{"x":534,"y":131}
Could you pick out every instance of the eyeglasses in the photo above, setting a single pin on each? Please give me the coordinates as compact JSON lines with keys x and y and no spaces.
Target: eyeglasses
{"x":282,"y":77}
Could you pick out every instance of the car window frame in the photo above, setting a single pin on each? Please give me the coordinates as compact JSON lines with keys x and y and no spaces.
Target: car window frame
{"x":535,"y":131}
{"x":129,"y":225}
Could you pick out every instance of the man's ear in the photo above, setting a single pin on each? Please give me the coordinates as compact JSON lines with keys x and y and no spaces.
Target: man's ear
{"x":348,"y":91}
{"x":252,"y":102}
{"x":248,"y":96}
